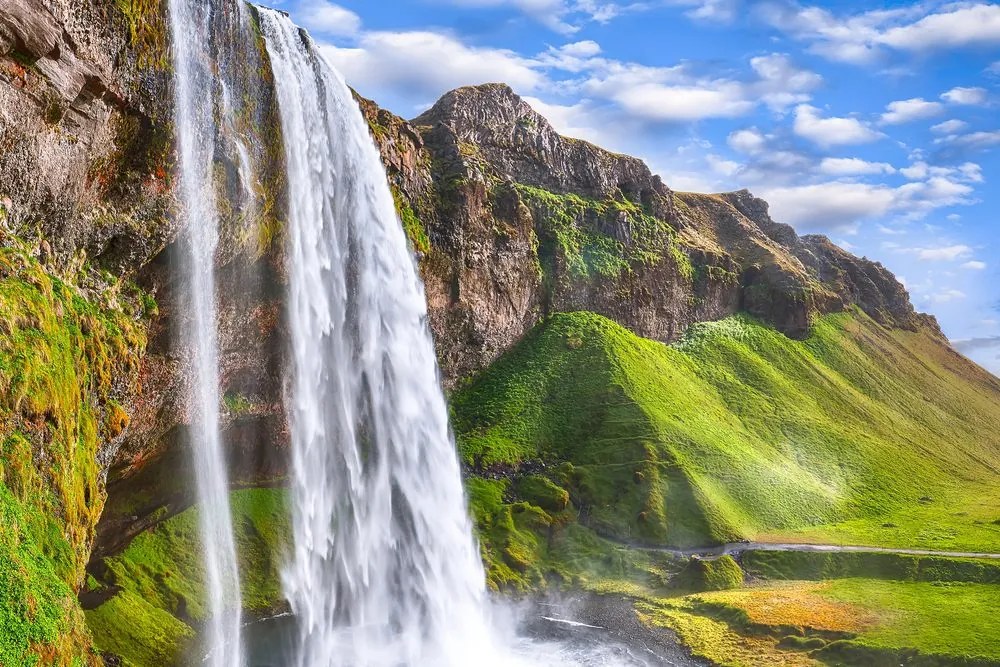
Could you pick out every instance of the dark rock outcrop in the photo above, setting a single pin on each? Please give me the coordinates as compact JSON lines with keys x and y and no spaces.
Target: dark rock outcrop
{"x":523,"y":222}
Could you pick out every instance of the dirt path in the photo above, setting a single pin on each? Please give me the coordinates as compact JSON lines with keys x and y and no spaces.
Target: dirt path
{"x":734,"y":548}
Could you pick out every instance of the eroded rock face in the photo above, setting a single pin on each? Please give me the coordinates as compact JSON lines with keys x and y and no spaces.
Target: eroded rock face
{"x":524,"y":222}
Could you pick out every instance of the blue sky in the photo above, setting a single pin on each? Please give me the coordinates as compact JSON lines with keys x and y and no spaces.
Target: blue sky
{"x":873,"y":123}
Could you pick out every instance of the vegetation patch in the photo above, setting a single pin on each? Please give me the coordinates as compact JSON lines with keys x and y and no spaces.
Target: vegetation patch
{"x":882,"y":622}
{"x":68,"y":359}
{"x":799,"y":565}
{"x":600,"y":237}
{"x":414,"y":228}
{"x":739,"y":432}
{"x":158,"y":582}
{"x":709,"y":574}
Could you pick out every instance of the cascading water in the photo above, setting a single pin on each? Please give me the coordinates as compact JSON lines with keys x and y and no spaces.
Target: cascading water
{"x":384,"y":569}
{"x":190,"y":22}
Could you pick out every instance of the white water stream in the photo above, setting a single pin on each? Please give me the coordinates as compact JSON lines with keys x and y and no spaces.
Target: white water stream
{"x":195,"y":129}
{"x":385,"y":570}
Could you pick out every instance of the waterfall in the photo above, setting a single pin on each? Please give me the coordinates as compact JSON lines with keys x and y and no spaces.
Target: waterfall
{"x":195,"y":128}
{"x":384,"y":569}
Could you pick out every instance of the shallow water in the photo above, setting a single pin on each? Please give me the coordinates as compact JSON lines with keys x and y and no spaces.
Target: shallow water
{"x":554,"y":635}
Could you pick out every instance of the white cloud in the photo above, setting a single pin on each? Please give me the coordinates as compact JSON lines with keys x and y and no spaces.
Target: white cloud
{"x":962,"y":95}
{"x":849,"y":166}
{"x":905,"y":111}
{"x":974,"y":140}
{"x":952,"y":126}
{"x":748,"y":141}
{"x":974,"y":265}
{"x":974,"y":25}
{"x":722,"y":11}
{"x":676,"y":94}
{"x":327,"y":18}
{"x":831,"y":131}
{"x":720,"y":99}
{"x":828,"y":206}
{"x":840,"y":205}
{"x":781,"y":83}
{"x":562,"y":16}
{"x":722,"y":166}
{"x":942,"y":254}
{"x":862,"y":38}
{"x":946,"y":296}
{"x":575,"y":120}
{"x":425,"y":64}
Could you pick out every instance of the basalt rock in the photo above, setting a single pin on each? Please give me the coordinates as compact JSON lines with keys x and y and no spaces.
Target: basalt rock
{"x":524,"y":222}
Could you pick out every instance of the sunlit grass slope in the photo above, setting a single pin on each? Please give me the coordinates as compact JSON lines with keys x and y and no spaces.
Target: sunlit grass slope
{"x":858,"y":433}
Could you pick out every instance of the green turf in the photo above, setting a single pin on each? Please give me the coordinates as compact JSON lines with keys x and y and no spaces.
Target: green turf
{"x":740,"y":432}
{"x":955,"y":619}
{"x":161,"y":580}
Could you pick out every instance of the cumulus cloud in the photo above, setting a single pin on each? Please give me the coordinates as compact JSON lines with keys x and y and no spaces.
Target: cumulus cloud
{"x":425,"y":64}
{"x":748,"y":141}
{"x":975,"y":25}
{"x":905,"y":111}
{"x":970,"y":142}
{"x":943,"y":254}
{"x":952,"y":126}
{"x":967,"y":345}
{"x":974,"y":265}
{"x":946,"y":296}
{"x":679,"y":94}
{"x":852,"y":166}
{"x":962,"y":95}
{"x":864,"y":37}
{"x":829,"y":206}
{"x":327,"y":18}
{"x":831,"y":131}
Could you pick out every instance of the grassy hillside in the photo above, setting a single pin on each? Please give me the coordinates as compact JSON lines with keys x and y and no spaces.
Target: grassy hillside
{"x":857,"y":434}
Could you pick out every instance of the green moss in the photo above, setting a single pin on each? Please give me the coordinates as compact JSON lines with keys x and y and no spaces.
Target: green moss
{"x":709,"y":574}
{"x":66,"y":365}
{"x":570,"y":229}
{"x":160,"y":578}
{"x":412,"y":225}
{"x":542,"y":492}
{"x":40,"y":623}
{"x":148,"y":31}
{"x":237,"y":404}
{"x":741,"y":432}
{"x":798,"y":565}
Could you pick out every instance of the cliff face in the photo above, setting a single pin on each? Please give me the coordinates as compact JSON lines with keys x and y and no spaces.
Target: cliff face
{"x":511,"y":222}
{"x":91,"y":285}
{"x":523,"y":222}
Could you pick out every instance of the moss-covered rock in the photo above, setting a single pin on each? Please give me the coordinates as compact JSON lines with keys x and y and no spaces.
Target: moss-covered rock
{"x":544,"y":493}
{"x":709,"y":574}
{"x":153,"y":594}
{"x":69,"y":359}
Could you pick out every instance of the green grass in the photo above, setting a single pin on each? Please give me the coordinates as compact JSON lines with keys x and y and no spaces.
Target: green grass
{"x":741,"y":432}
{"x":161,"y":577}
{"x":855,"y":620}
{"x":956,"y":619}
{"x":791,"y":565}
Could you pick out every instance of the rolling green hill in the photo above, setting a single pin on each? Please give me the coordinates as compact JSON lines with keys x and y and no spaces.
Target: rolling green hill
{"x":857,"y":434}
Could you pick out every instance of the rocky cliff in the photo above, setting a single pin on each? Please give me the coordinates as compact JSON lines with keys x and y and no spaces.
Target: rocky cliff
{"x":510,"y":221}
{"x":522,"y":222}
